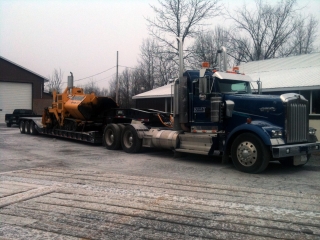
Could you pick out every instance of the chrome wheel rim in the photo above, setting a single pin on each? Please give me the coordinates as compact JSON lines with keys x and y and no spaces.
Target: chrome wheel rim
{"x":109,"y":137}
{"x":247,"y":154}
{"x":128,"y":139}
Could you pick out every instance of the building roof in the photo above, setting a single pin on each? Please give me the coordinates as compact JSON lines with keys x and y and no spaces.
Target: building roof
{"x":278,"y":74}
{"x":286,"y":74}
{"x":160,"y":92}
{"x":45,"y":79}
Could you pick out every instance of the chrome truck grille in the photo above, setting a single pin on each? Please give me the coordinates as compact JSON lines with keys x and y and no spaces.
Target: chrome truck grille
{"x":297,"y":122}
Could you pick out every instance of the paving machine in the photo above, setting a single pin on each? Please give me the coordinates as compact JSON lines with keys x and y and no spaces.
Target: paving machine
{"x":74,"y":110}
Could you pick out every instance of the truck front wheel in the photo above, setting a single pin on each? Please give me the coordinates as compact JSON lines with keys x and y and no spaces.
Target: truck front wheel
{"x":112,"y":137}
{"x":22,"y":127}
{"x":249,"y":154}
{"x":130,"y":141}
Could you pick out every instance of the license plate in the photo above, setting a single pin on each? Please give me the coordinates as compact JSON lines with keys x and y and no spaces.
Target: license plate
{"x":298,"y":160}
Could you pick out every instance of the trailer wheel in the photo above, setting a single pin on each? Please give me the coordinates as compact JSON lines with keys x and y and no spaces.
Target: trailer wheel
{"x":130,"y":141}
{"x":249,"y":154}
{"x":112,"y":137}
{"x":27,"y":127}
{"x":33,"y":130}
{"x":22,"y":127}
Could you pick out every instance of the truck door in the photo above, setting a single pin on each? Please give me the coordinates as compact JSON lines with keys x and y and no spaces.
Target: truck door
{"x":200,"y":111}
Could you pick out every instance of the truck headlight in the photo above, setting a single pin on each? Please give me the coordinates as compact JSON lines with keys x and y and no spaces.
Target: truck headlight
{"x":312,"y":131}
{"x":276,"y":133}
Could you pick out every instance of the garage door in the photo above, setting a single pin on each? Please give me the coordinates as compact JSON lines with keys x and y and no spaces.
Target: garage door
{"x":14,"y":95}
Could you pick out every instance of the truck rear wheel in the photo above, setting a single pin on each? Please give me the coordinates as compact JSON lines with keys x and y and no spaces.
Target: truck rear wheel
{"x":249,"y":154}
{"x":112,"y":137}
{"x":8,"y":124}
{"x":130,"y":141}
{"x":22,"y":127}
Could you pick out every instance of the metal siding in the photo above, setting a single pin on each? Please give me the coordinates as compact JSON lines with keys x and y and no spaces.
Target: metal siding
{"x":14,"y":95}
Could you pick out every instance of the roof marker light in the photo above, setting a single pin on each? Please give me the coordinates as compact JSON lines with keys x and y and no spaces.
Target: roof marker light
{"x":205,"y":65}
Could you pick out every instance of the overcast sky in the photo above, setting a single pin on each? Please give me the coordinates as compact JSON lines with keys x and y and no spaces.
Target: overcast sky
{"x":81,"y":36}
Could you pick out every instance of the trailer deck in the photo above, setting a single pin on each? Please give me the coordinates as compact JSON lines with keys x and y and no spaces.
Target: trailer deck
{"x":94,"y":137}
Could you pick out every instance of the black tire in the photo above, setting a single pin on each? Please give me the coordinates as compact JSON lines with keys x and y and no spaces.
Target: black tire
{"x":288,"y":162}
{"x":27,"y":127}
{"x":249,"y":154}
{"x":8,"y":124}
{"x":22,"y":127}
{"x":33,"y":130}
{"x":112,"y":137}
{"x":130,"y":141}
{"x":121,"y":126}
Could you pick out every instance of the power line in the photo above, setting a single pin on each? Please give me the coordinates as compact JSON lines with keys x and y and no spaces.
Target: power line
{"x":105,"y":78}
{"x":100,"y":79}
{"x":95,"y":74}
{"x":128,"y":67}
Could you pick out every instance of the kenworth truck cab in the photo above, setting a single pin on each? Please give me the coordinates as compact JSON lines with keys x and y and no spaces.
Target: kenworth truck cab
{"x":216,"y":113}
{"x":220,"y":115}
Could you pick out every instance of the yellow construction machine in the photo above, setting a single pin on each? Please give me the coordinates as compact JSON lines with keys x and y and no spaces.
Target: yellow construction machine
{"x":74,"y":110}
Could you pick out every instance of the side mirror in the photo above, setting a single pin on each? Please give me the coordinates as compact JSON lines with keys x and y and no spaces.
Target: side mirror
{"x":259,"y":86}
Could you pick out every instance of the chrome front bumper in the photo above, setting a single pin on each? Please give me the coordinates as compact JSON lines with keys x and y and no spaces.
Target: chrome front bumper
{"x":295,"y":149}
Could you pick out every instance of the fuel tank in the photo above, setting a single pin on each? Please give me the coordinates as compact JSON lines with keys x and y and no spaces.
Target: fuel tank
{"x":88,"y":107}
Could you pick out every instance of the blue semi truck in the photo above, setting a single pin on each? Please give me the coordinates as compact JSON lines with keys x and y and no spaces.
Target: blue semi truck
{"x":215,"y":113}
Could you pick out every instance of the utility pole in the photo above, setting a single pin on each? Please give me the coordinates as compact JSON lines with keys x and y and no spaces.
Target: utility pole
{"x":117,"y":90}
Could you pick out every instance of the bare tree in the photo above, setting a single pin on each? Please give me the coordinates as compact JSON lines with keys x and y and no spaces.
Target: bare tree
{"x":206,"y":45}
{"x":147,"y":62}
{"x":180,"y":18}
{"x":125,"y":82}
{"x":303,"y":38}
{"x":103,"y":92}
{"x":91,"y":87}
{"x":264,"y":30}
{"x":55,"y":80}
{"x":166,"y":67}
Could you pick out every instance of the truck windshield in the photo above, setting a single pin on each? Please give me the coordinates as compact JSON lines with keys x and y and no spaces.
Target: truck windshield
{"x":233,"y":86}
